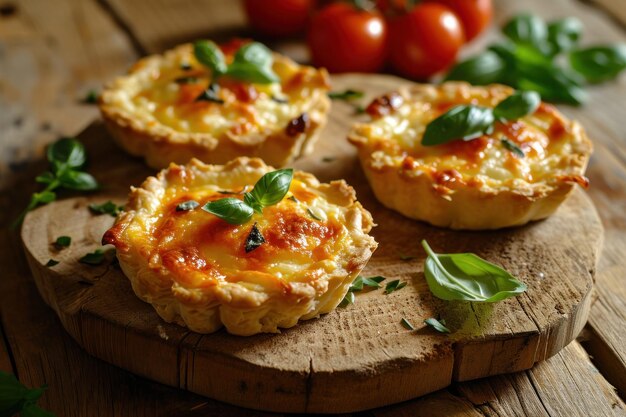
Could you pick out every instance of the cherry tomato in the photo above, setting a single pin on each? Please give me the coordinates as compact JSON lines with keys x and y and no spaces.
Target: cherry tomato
{"x":278,"y":17}
{"x":425,"y":41}
{"x":475,"y":15}
{"x":343,"y":38}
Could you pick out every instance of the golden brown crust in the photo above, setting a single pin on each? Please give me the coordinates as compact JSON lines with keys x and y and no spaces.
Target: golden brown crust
{"x":141,"y":134}
{"x":476,"y":184}
{"x":245,"y":295}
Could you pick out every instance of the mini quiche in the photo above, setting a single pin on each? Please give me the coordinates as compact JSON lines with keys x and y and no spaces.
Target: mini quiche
{"x":172,"y":107}
{"x":292,"y":261}
{"x":515,"y":172}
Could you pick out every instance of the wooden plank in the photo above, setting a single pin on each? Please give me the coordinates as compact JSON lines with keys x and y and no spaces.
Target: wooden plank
{"x":614,"y":9}
{"x":6,"y":364}
{"x":564,"y":385}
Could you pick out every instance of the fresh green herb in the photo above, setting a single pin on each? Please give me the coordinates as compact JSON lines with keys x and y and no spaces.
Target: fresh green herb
{"x":52,"y":262}
{"x":394,"y":285}
{"x":232,"y":210}
{"x":405,"y":323}
{"x":67,"y":157}
{"x":210,"y":94}
{"x":512,"y":146}
{"x":252,"y":62}
{"x":439,"y":325}
{"x":328,"y":159}
{"x":187,"y":205}
{"x":532,"y":59}
{"x":254,"y":239}
{"x":467,"y":122}
{"x":316,"y":213}
{"x":347,"y":94}
{"x":93,"y":258}
{"x":347,"y":300}
{"x":361,"y":281}
{"x":517,"y":105}
{"x":243,"y":191}
{"x":108,"y":207}
{"x":62,"y":242}
{"x":269,"y":190}
{"x":599,"y":63}
{"x":91,"y":97}
{"x":460,"y":122}
{"x":279,"y":100}
{"x":404,"y":257}
{"x":16,"y":398}
{"x":293,"y":198}
{"x":465,"y":276}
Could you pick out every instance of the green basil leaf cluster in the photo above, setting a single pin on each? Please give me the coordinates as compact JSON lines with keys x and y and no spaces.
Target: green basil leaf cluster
{"x":269,"y":190}
{"x":16,"y":398}
{"x":544,"y":57}
{"x":251,"y":63}
{"x":469,"y":122}
{"x":359,"y":283}
{"x":467,"y":277}
{"x":67,"y":157}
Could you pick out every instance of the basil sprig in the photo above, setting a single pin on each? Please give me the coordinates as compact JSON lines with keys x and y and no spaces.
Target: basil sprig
{"x":467,"y":277}
{"x":251,"y":63}
{"x":67,"y":157}
{"x":16,"y":398}
{"x":531,"y":58}
{"x":439,"y":325}
{"x":469,"y":122}
{"x":269,"y":190}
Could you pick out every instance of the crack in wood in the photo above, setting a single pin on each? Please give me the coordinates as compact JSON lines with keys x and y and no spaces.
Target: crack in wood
{"x":124,"y":27}
{"x":7,"y":346}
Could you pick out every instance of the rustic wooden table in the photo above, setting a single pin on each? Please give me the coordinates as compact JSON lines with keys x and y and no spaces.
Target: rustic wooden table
{"x":53,"y":53}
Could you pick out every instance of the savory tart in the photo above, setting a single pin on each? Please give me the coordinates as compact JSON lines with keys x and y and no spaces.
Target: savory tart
{"x":291,"y":260}
{"x":514,"y":172}
{"x":172,"y":107}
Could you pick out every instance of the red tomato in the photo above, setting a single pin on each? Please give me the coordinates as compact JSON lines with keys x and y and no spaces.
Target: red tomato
{"x":278,"y":17}
{"x":425,"y":40}
{"x":343,"y":39}
{"x":475,"y":15}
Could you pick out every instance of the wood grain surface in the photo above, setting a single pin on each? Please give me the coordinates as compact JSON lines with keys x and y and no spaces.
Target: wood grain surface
{"x":45,"y":70}
{"x":355,"y":358}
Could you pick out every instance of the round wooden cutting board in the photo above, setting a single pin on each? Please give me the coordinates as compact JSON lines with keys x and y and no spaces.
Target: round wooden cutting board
{"x":354,"y":358}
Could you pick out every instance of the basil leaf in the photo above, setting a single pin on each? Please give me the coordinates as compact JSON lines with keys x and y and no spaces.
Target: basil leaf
{"x":232,"y":210}
{"x":45,"y":178}
{"x":187,"y":205}
{"x":253,"y":63}
{"x":512,"y":146}
{"x":482,"y":69}
{"x":348,"y":299}
{"x":52,"y":263}
{"x":437,"y":325}
{"x":91,"y":97}
{"x":62,"y":242}
{"x":67,"y":152}
{"x":460,"y":122}
{"x":93,"y":258}
{"x":77,"y":180}
{"x":394,"y":285}
{"x":106,"y":208}
{"x":44,"y":197}
{"x":347,"y":94}
{"x":599,"y":63}
{"x":526,"y":29}
{"x":16,"y":398}
{"x":467,"y":277}
{"x":270,"y":189}
{"x":552,"y":84}
{"x":405,"y":323}
{"x":373,"y":282}
{"x":254,"y":239}
{"x":211,"y":56}
{"x":563,"y":34}
{"x":518,"y":104}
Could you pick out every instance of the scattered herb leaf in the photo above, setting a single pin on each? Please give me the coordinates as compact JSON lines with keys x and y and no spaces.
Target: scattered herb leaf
{"x":66,"y":157}
{"x":293,"y":198}
{"x":405,"y":323}
{"x":406,"y":257}
{"x":52,"y":262}
{"x":16,"y":398}
{"x":210,"y":94}
{"x":187,"y":205}
{"x":513,"y":147}
{"x":62,"y":242}
{"x":437,"y":325}
{"x":254,"y":239}
{"x":347,"y":300}
{"x":279,"y":100}
{"x":316,"y":213}
{"x":108,"y":207}
{"x":243,"y":191}
{"x":348,"y":94}
{"x":91,"y":97}
{"x":328,"y":159}
{"x":467,"y":277}
{"x":394,"y":285}
{"x":93,"y":258}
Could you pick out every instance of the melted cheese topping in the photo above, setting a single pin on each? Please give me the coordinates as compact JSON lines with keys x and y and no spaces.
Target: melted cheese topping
{"x":546,"y":138}
{"x":202,"y":250}
{"x":166,"y":93}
